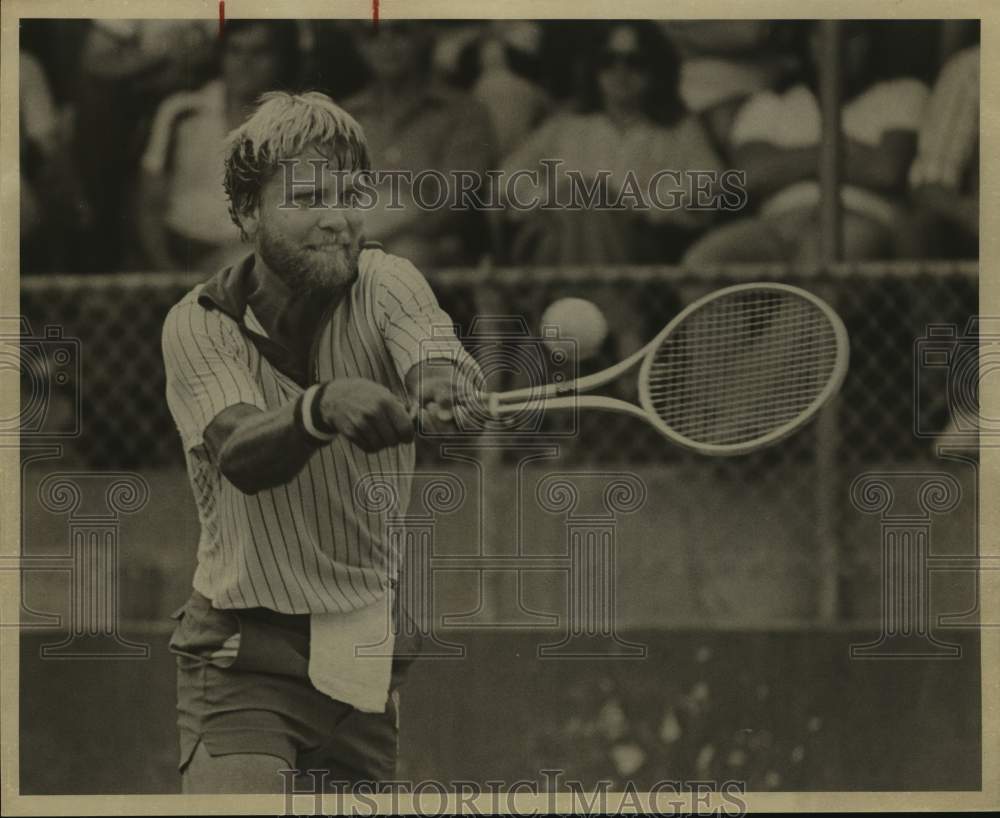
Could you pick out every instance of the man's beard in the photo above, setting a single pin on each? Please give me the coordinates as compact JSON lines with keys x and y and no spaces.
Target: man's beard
{"x":307,"y":271}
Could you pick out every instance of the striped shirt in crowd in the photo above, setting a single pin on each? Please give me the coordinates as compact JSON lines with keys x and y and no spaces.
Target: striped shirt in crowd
{"x":307,"y":546}
{"x":949,"y":133}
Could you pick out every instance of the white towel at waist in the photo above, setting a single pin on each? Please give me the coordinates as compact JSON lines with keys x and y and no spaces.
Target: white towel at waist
{"x":335,"y":666}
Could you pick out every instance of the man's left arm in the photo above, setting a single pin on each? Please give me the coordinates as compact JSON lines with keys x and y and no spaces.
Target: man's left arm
{"x":440,"y":389}
{"x":437,"y":371}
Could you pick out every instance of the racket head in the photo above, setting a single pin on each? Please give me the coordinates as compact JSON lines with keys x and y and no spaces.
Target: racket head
{"x":743,"y":367}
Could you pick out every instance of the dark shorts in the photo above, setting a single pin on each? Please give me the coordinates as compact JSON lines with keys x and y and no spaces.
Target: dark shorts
{"x":263,"y":702}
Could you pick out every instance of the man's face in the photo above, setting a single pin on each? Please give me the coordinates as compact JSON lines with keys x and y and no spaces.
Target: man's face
{"x":250,"y":64}
{"x":312,"y":247}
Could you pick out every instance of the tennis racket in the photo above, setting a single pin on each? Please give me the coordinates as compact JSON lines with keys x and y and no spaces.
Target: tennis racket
{"x":735,"y":371}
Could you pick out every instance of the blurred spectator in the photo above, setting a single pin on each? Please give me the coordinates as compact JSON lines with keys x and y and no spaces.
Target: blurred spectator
{"x":944,"y":180}
{"x":914,"y":48}
{"x":725,"y":61}
{"x":159,"y":56}
{"x":413,"y":123}
{"x":58,"y":46}
{"x":127,"y":67}
{"x":628,"y":118}
{"x":184,"y":219}
{"x":453,"y":40}
{"x":39,"y":138}
{"x":501,"y":59}
{"x":775,"y":139}
{"x":332,"y":61}
{"x":515,"y":103}
{"x":51,"y":199}
{"x":944,"y":177}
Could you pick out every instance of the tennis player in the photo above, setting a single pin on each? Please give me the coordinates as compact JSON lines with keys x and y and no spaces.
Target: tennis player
{"x":292,"y":376}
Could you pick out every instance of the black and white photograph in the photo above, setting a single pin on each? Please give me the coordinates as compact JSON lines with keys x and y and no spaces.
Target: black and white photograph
{"x":513,"y":409}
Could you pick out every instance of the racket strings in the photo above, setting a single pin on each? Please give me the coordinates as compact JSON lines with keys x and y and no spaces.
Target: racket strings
{"x":742,"y":366}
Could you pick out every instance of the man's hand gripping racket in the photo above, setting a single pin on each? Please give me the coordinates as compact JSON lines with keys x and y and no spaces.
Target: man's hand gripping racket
{"x":735,"y":371}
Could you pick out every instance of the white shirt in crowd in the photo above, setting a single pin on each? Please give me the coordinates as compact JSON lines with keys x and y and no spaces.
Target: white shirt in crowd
{"x":949,"y":133}
{"x":186,"y":147}
{"x":793,"y":120}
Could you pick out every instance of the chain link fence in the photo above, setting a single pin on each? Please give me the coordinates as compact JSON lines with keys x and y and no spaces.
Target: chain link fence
{"x":789,"y":504}
{"x":887,"y":309}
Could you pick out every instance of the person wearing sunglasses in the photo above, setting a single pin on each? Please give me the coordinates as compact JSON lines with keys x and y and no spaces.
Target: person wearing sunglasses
{"x":627,"y":119}
{"x":414,"y":123}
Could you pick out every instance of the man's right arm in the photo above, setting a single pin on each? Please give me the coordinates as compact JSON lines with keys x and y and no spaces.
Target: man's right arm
{"x":258,"y":450}
{"x":219,"y":408}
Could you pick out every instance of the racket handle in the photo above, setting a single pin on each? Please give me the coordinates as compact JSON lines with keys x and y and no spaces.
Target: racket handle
{"x":414,"y":411}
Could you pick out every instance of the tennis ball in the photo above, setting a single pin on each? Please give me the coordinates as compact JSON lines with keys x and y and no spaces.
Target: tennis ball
{"x":577,"y":320}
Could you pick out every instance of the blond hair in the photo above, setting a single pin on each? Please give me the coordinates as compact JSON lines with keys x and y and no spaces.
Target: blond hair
{"x":282,"y":127}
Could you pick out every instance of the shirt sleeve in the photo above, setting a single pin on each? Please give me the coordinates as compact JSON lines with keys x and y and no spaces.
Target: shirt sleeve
{"x":537,"y":145}
{"x":789,"y":120}
{"x":895,"y":105}
{"x":38,"y":110}
{"x":949,"y":130}
{"x":688,"y":147}
{"x":472,"y":144}
{"x":157,"y":154}
{"x":414,"y":327}
{"x":542,"y":143}
{"x":209,"y":368}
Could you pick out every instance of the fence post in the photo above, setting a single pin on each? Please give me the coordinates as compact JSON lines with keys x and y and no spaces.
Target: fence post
{"x":829,"y":494}
{"x":830,"y":154}
{"x":831,"y":248}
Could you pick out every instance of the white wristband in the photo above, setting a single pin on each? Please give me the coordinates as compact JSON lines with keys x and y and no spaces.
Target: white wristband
{"x":307,"y":403}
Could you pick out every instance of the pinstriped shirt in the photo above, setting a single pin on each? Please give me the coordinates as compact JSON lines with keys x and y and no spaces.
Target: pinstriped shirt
{"x":307,"y":546}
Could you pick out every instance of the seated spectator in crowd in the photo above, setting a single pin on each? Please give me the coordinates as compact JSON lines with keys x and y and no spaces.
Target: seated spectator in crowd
{"x":414,"y":124}
{"x":725,"y":61}
{"x":184,"y":221}
{"x":52,"y":203}
{"x":944,"y":177}
{"x":776,"y":138}
{"x":499,"y":61}
{"x":628,"y":118}
{"x":38,"y":132}
{"x":516,"y":103}
{"x":331,"y":58}
{"x":160,"y":56}
{"x":944,"y":182}
{"x":127,"y":68}
{"x":453,"y":40}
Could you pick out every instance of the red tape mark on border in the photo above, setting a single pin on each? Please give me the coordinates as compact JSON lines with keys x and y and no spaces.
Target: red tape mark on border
{"x":375,"y":13}
{"x":222,"y":16}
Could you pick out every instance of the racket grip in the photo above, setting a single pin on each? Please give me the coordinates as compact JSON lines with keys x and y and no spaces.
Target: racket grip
{"x":414,"y":411}
{"x":491,"y":400}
